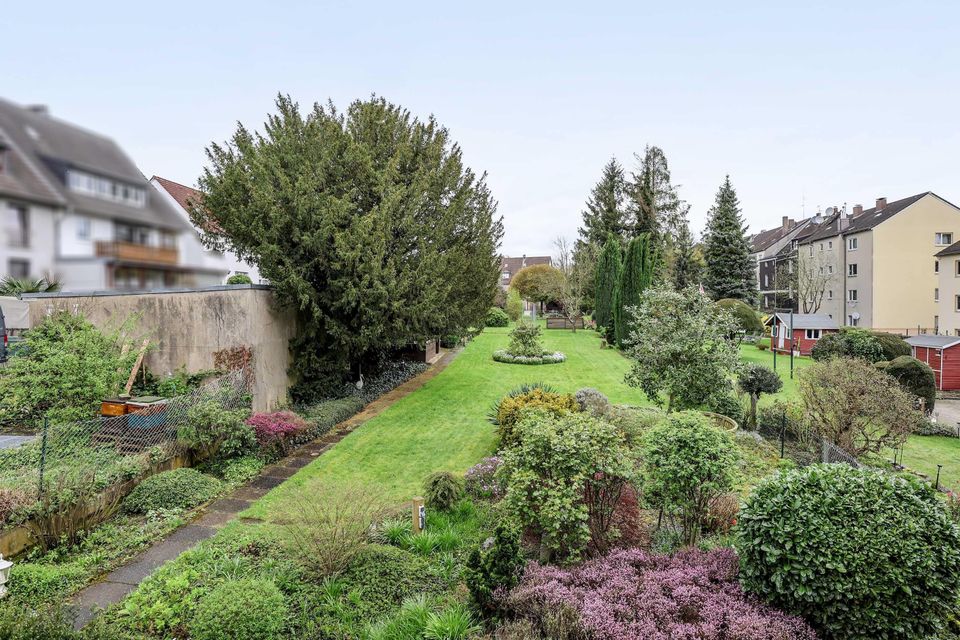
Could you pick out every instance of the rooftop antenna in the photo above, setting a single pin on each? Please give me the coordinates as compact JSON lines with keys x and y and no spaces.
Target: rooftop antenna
{"x":803,"y":204}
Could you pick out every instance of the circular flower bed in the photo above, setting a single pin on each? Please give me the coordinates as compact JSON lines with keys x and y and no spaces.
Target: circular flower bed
{"x":548,"y":357}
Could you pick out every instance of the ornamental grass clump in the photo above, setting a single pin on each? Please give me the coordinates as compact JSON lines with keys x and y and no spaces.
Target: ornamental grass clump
{"x":631,"y":594}
{"x":859,"y":553}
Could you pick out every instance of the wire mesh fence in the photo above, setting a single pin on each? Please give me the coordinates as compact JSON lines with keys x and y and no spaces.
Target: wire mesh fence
{"x":102,"y":451}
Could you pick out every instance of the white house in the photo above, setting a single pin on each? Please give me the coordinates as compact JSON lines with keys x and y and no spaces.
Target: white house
{"x":181,"y":197}
{"x":75,"y":207}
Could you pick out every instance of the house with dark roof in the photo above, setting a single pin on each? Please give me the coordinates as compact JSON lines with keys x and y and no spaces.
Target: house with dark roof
{"x":875,"y":268}
{"x":76,"y":208}
{"x":775,"y":254}
{"x":182,"y":198}
{"x":510,"y":266}
{"x":799,"y":331}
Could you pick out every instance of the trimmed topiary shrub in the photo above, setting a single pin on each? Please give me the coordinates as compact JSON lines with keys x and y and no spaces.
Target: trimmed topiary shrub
{"x":687,"y":463}
{"x":441,"y":490}
{"x":848,"y":343}
{"x":177,"y":489}
{"x":859,"y":553}
{"x":914,"y":376}
{"x":891,"y":345}
{"x":511,"y":408}
{"x":247,"y":608}
{"x":239,"y":278}
{"x":497,"y":317}
{"x":746,"y":317}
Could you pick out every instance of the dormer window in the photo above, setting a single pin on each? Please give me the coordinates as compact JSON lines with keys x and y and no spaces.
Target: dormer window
{"x":106,"y":189}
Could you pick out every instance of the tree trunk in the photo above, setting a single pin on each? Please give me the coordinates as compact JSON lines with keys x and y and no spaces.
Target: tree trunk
{"x":753,"y":410}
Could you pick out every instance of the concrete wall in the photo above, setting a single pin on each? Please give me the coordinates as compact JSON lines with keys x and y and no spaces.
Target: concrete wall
{"x":186,"y":327}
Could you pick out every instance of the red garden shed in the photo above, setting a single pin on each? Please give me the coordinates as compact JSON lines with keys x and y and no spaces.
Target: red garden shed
{"x":807,"y":329}
{"x":943,"y":356}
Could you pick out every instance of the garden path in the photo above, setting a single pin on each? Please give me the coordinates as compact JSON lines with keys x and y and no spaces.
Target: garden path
{"x":122,"y":581}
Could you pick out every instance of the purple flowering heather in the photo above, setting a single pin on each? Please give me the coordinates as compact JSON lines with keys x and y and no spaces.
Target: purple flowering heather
{"x":631,"y":594}
{"x":480,"y":480}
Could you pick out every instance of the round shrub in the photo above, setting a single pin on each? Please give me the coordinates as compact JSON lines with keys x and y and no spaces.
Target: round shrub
{"x":511,"y":407}
{"x":178,"y":489}
{"x":848,"y":343}
{"x":250,"y":609}
{"x":891,"y":345}
{"x":239,"y":278}
{"x":497,"y":317}
{"x":593,"y":402}
{"x":688,"y":463}
{"x":746,"y":317}
{"x":914,"y":376}
{"x":859,"y":553}
{"x":442,"y":490}
{"x":727,"y":404}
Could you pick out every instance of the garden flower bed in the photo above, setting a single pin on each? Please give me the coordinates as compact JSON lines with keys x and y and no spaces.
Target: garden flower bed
{"x":548,"y":357}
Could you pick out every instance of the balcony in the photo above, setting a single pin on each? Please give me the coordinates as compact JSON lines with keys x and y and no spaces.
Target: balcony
{"x":137,"y":253}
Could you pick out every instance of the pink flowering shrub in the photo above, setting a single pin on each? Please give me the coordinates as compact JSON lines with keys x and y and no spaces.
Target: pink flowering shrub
{"x":481,"y":482}
{"x":632,"y":594}
{"x":275,"y":429}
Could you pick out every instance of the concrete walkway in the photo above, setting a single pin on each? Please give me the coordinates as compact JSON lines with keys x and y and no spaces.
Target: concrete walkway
{"x":120,"y":582}
{"x":11,"y":442}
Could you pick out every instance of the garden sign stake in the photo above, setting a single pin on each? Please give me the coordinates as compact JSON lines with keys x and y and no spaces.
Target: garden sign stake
{"x":419,"y":516}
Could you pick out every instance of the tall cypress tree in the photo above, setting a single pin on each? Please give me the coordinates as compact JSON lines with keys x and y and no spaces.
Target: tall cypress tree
{"x":685,"y":267}
{"x":730,"y":273}
{"x":606,"y":210}
{"x":607,"y":277}
{"x":635,"y":277}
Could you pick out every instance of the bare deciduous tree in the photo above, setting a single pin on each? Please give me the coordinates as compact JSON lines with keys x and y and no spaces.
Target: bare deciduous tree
{"x":805,"y":280}
{"x":576,"y":276}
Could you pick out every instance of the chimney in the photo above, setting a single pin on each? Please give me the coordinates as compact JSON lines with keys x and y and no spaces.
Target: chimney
{"x":785,"y":222}
{"x":881,"y":203}
{"x":858,"y":209}
{"x":39,"y":109}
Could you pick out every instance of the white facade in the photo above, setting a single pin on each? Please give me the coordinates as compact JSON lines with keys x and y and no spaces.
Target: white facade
{"x":27,"y":239}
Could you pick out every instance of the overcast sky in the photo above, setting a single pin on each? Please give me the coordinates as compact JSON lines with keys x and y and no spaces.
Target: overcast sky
{"x":806,"y":107}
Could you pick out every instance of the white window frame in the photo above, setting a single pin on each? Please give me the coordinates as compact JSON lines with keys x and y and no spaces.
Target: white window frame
{"x":943,"y":238}
{"x":852,"y":295}
{"x":813,"y":334}
{"x":83,"y":227}
{"x":936,"y":266}
{"x":852,"y":244}
{"x":852,"y":270}
{"x":936,"y":294}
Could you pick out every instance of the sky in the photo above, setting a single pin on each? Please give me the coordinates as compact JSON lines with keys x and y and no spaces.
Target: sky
{"x":805,"y":107}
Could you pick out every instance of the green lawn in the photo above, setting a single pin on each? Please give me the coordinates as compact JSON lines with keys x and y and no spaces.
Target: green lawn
{"x":924,"y":453}
{"x":443,"y":426}
{"x":749,"y":353}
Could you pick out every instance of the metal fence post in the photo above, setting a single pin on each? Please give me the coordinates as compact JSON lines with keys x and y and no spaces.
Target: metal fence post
{"x":783,"y":430}
{"x":43,"y":455}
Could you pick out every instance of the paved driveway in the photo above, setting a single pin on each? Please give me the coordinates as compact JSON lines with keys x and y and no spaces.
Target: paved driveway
{"x":9,"y":442}
{"x":947,"y":412}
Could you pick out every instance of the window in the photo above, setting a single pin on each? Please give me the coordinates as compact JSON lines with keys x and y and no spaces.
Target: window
{"x":17,"y":223}
{"x":168,"y":240}
{"x":956,"y":264}
{"x":852,"y":244}
{"x":956,"y":303}
{"x":852,"y":295}
{"x":811,"y":250}
{"x":936,"y":294}
{"x":852,"y":270}
{"x":821,"y":246}
{"x":106,"y":189}
{"x":943,"y":239}
{"x":830,"y":245}
{"x":852,"y":322}
{"x":131,"y":233}
{"x":936,"y":266}
{"x":813,"y":334}
{"x":830,"y":294}
{"x":794,"y":244}
{"x":830,"y":269}
{"x":821,"y":270}
{"x":83,"y":228}
{"x":18,"y":268}
{"x":506,"y":275}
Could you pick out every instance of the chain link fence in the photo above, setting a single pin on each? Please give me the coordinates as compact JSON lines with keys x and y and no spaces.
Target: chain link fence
{"x":95,"y":454}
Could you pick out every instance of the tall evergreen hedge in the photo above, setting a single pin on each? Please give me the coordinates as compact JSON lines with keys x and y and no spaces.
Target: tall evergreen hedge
{"x":608,"y":275}
{"x":635,"y":277}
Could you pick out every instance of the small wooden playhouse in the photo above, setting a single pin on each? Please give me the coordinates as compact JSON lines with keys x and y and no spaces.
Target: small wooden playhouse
{"x":808,"y":328}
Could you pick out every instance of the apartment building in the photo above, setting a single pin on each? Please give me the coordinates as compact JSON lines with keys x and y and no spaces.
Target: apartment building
{"x":875,"y":268}
{"x":75,"y":207}
{"x":775,"y":251}
{"x":946,"y":264}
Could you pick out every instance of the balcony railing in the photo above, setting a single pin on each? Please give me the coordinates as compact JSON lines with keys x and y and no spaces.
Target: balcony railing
{"x":137,"y":253}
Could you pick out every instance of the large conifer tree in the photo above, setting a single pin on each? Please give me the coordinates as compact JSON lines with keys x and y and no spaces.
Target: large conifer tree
{"x":605,"y":282}
{"x":730,"y":272}
{"x":606,"y":211}
{"x":686,"y":270}
{"x":635,"y":277}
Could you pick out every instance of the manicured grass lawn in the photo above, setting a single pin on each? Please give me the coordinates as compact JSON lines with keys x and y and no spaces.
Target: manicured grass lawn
{"x":924,"y":453}
{"x":443,"y":426}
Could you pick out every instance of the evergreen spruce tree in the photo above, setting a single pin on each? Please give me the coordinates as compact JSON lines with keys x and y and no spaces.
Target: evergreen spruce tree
{"x":635,"y":277}
{"x":606,"y":211}
{"x":605,"y":282}
{"x":730,"y":272}
{"x":654,"y":205}
{"x":685,"y":270}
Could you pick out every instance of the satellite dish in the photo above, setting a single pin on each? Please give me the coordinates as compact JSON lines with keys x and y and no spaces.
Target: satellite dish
{"x":855,"y":315}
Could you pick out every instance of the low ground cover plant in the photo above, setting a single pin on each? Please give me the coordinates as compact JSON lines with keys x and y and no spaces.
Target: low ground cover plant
{"x":177,"y":489}
{"x":241,"y":608}
{"x":632,"y":594}
{"x":858,"y":553}
{"x":277,"y":430}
